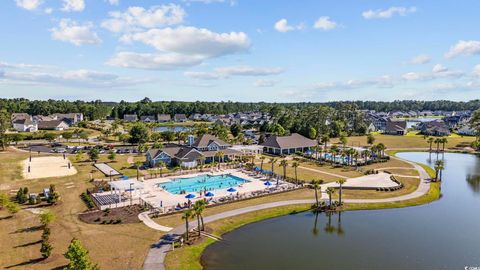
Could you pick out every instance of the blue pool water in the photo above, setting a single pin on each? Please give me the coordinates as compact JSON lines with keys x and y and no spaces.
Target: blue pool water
{"x":202,"y":182}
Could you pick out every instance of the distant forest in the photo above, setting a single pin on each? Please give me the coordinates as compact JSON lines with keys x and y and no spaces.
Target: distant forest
{"x":99,"y":109}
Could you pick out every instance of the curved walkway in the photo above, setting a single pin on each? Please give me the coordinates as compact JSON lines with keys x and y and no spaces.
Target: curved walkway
{"x":145,"y":218}
{"x":158,"y":251}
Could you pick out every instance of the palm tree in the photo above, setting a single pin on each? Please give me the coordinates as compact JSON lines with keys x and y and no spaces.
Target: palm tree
{"x":295,"y":166}
{"x":273,"y":161}
{"x":137,"y":165}
{"x":365,"y":154}
{"x":340,"y":183}
{"x":437,"y":141}
{"x":325,"y":140}
{"x":198,"y":208}
{"x":262,"y":158}
{"x":381,"y":149}
{"x":439,"y":166}
{"x":330,"y":191}
{"x":334,"y":150}
{"x":430,"y":141}
{"x":186,"y":216}
{"x":161,"y":165}
{"x":444,"y":141}
{"x":316,"y":186}
{"x":284,"y":164}
{"x":374,"y":150}
{"x":343,"y":139}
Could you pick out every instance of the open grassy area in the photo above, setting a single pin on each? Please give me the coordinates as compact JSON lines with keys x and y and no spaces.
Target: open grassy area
{"x":121,"y":246}
{"x":415,"y":141}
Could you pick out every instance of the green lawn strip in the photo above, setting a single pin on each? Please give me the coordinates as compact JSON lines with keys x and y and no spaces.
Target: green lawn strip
{"x":188,"y":257}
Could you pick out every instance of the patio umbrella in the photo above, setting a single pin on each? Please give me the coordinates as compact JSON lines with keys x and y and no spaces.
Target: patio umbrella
{"x":190,"y":196}
{"x":209,"y":194}
{"x":231,"y":189}
{"x":267,"y":183}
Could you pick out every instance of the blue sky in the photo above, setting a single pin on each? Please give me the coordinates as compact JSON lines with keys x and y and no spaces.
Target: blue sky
{"x":281,"y":51}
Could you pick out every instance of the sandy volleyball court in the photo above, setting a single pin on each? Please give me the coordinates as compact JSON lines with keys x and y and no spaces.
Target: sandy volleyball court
{"x":44,"y":167}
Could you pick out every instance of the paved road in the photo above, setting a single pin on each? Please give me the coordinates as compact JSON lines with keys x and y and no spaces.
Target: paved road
{"x":156,"y":255}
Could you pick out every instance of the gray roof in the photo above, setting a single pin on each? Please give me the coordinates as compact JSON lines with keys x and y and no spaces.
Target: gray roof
{"x":396,"y":126}
{"x":164,"y":117}
{"x":206,"y":139}
{"x":49,"y":124}
{"x":295,"y":140}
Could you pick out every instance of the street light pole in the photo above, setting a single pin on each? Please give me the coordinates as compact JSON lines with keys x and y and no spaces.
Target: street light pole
{"x":131,"y":184}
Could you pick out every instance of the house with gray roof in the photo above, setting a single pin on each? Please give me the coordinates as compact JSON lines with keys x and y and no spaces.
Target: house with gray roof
{"x":130,"y":118}
{"x":52,"y":125}
{"x":285,"y":145}
{"x":24,"y":125}
{"x":180,"y":117}
{"x":395,"y":127}
{"x":162,"y":118}
{"x":147,"y":118}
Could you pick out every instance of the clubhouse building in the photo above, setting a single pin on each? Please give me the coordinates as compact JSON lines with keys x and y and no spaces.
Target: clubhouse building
{"x":285,"y":145}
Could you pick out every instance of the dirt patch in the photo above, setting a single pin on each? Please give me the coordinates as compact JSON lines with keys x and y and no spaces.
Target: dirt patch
{"x":121,"y":215}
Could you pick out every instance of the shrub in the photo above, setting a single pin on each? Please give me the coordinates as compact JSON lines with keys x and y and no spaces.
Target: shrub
{"x":87,"y":200}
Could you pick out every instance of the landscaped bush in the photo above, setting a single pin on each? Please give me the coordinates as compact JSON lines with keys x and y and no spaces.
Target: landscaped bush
{"x":87,"y":200}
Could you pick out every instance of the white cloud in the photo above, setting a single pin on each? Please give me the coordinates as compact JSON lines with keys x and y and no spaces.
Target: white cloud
{"x":420,"y":59}
{"x":113,"y":2}
{"x":226,"y":72}
{"x":232,"y":2}
{"x":75,"y":33}
{"x":283,"y":26}
{"x":162,"y":61}
{"x":438,"y":68}
{"x":48,"y":10}
{"x":476,"y":70}
{"x":388,"y":13}
{"x":138,"y":18}
{"x":470,"y":47}
{"x":413,"y":76}
{"x":192,"y":41}
{"x":73,"y":5}
{"x":203,"y":75}
{"x":29,"y":73}
{"x":265,"y":83}
{"x":28,"y":4}
{"x":325,"y":23}
{"x":249,"y":71}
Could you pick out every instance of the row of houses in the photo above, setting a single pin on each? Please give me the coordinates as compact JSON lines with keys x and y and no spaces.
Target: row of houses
{"x":23,"y":122}
{"x":413,"y":114}
{"x":242,"y":118}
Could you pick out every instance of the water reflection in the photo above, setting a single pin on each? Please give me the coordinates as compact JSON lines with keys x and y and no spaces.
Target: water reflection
{"x":329,"y":228}
{"x":474,"y":182}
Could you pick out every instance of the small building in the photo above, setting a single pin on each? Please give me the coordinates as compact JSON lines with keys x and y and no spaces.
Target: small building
{"x":147,"y":118}
{"x":69,"y":118}
{"x":396,"y":127}
{"x":20,"y":116}
{"x":24,"y":125}
{"x":53,"y":125}
{"x":284,"y":145}
{"x":467,"y":130}
{"x":434,"y":128}
{"x":162,"y":118}
{"x":180,"y":117}
{"x":130,"y":118}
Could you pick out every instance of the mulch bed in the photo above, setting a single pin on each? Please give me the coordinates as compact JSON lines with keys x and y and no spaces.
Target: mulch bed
{"x":121,"y":215}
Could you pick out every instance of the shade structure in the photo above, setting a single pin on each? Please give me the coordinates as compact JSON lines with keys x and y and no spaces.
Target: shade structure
{"x":209,"y":194}
{"x":190,"y":196}
{"x":267,"y":183}
{"x":231,"y":189}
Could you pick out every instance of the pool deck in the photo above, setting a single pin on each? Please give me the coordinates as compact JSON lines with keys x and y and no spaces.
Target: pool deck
{"x":154,"y":195}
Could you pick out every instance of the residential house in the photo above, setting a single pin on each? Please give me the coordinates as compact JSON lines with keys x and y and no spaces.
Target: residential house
{"x":130,"y":118}
{"x":24,"y":125}
{"x":163,"y":118}
{"x":52,"y":125}
{"x":147,"y":118}
{"x":284,"y":145}
{"x":205,"y":148}
{"x":395,"y":127}
{"x":69,"y":118}
{"x":19,"y":116}
{"x":180,"y":117}
{"x":467,"y":130}
{"x":434,"y":128}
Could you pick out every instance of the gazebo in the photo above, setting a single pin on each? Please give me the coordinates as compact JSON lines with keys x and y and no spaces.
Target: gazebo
{"x":133,"y":186}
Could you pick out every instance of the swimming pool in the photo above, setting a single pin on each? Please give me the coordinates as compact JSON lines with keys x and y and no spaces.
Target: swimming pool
{"x":202,"y":182}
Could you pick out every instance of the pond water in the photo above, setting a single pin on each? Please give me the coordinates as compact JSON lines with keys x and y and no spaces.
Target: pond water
{"x":415,"y":121}
{"x":442,"y":235}
{"x":172,"y":128}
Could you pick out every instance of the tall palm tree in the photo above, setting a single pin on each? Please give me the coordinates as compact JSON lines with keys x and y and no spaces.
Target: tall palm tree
{"x":295,"y":166}
{"x":161,"y":165}
{"x":325,"y":140}
{"x":365,"y":154}
{"x":330,"y":191}
{"x":340,"y":183}
{"x":273,"y":161}
{"x":316,"y":186}
{"x":374,"y":150}
{"x":430,"y":141}
{"x":262,"y":159}
{"x":437,"y":141}
{"x":284,"y":164}
{"x":439,"y":166}
{"x":381,"y":149}
{"x":334,"y":150}
{"x":198,"y":208}
{"x":186,"y":216}
{"x":444,"y":141}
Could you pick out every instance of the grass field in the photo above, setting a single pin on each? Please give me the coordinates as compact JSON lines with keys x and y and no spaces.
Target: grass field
{"x":111,"y":246}
{"x":413,"y":141}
